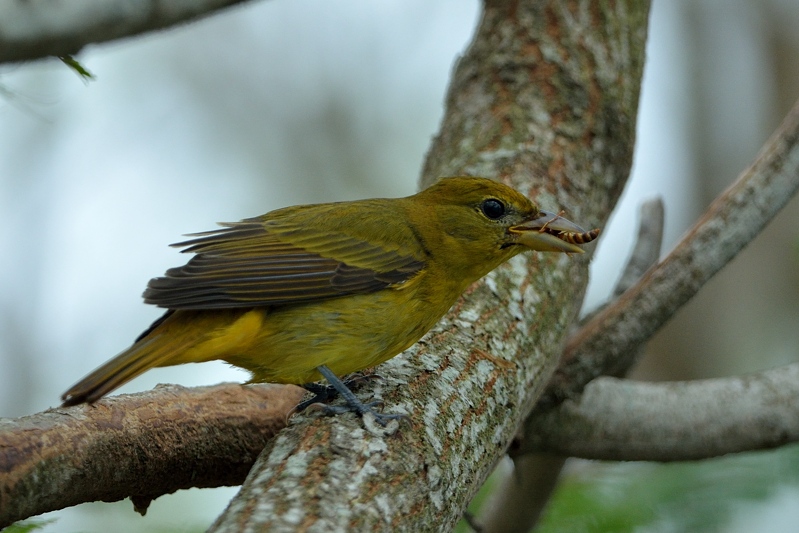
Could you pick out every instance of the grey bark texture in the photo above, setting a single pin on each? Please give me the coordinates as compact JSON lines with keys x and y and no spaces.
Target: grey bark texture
{"x":520,"y":497}
{"x":139,"y":446}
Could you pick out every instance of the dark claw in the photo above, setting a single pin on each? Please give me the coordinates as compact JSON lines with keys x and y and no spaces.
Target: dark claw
{"x":323,"y":394}
{"x":381,"y":418}
{"x":384,"y":418}
{"x":353,"y":381}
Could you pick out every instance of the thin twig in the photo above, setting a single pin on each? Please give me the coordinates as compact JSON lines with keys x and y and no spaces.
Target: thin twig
{"x":645,"y":253}
{"x":35,"y":29}
{"x":647,"y":247}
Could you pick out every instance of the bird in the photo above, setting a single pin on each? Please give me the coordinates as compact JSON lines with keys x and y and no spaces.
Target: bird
{"x":326,"y":290}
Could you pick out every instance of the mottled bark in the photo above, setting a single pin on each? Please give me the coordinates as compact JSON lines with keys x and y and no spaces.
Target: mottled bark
{"x":519,"y":498}
{"x":139,"y":446}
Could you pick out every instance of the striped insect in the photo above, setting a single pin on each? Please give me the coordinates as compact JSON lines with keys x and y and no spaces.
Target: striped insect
{"x":569,"y":236}
{"x":578,"y":238}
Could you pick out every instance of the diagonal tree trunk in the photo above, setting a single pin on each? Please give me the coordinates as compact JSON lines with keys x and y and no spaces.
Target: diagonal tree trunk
{"x":545,"y":99}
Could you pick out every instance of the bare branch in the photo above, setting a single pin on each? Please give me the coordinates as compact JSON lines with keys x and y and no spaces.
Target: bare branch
{"x":623,"y":420}
{"x":647,"y":247}
{"x":139,"y":445}
{"x":608,"y":343}
{"x":32,"y":29}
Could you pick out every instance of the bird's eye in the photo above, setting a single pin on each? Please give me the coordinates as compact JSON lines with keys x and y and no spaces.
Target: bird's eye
{"x":493,"y":208}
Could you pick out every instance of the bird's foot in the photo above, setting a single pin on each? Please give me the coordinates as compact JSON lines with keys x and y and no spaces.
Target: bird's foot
{"x":361,"y":408}
{"x":356,"y":380}
{"x":326,"y":393}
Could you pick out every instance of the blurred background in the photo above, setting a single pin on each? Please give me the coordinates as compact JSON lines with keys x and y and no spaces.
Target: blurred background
{"x":280,"y":103}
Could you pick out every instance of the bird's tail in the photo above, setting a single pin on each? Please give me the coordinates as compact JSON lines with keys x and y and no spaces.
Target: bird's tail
{"x":154,"y":348}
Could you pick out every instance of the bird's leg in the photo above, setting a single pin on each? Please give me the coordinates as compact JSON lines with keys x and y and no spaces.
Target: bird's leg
{"x":353,"y":403}
{"x":326,"y":393}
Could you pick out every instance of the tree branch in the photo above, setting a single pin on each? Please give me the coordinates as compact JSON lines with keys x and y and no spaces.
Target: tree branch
{"x":32,"y":29}
{"x":647,"y":248}
{"x":623,"y":420}
{"x":545,"y":99}
{"x":139,"y":446}
{"x":609,"y":342}
{"x":520,"y":497}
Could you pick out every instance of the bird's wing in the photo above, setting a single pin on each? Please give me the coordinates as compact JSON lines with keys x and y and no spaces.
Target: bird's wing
{"x":265,"y":263}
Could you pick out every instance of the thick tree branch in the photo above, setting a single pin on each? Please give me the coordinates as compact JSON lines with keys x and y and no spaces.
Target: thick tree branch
{"x":546,"y":100}
{"x":609,"y":342}
{"x":32,"y":29}
{"x":623,"y":420}
{"x":139,"y":446}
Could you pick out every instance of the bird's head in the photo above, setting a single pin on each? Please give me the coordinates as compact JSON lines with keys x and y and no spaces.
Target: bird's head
{"x":482,"y":223}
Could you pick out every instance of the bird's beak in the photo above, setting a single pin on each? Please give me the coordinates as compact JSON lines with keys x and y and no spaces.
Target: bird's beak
{"x":549,"y":232}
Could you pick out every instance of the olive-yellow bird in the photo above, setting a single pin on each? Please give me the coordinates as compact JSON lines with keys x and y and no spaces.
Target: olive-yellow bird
{"x":324,"y":290}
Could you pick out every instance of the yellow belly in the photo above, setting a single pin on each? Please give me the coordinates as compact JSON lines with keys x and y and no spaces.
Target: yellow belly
{"x":346,"y":335}
{"x":285,"y":345}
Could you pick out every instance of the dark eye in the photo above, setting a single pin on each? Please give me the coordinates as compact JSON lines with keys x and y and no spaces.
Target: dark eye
{"x":493,"y":208}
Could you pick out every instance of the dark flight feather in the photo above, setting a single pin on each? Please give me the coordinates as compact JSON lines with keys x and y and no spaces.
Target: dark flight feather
{"x":244,"y":264}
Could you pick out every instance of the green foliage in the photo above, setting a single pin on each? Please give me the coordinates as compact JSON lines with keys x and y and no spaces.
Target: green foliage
{"x":477,"y":502}
{"x":596,"y":497}
{"x":697,"y":496}
{"x":79,"y":69}
{"x":27,"y":526}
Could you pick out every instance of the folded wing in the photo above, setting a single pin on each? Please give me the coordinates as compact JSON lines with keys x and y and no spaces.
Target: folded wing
{"x":254,"y":263}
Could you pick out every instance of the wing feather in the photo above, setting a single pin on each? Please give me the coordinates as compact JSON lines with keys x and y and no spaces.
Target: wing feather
{"x":259,"y":262}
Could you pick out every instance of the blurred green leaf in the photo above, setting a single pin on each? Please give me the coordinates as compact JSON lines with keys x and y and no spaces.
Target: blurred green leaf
{"x":697,"y":496}
{"x":477,"y":502}
{"x":595,"y":497}
{"x":27,"y":525}
{"x":73,"y":63}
